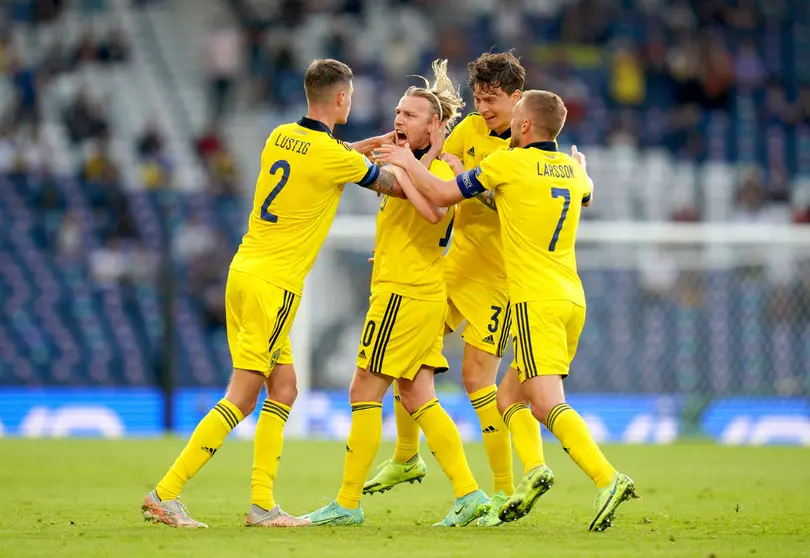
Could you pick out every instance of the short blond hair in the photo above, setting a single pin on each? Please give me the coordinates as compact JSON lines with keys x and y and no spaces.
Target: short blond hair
{"x":443,"y":96}
{"x":546,"y":110}
{"x":322,"y":75}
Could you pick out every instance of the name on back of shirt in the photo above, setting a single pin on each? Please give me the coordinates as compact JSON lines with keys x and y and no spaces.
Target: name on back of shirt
{"x":292,"y":144}
{"x":555,"y":171}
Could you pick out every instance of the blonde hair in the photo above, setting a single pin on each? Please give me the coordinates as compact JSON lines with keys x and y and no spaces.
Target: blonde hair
{"x":547,"y":111}
{"x":443,"y":96}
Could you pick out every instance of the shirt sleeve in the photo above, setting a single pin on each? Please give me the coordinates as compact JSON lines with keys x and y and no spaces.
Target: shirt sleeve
{"x":356,"y":167}
{"x":486,"y":176}
{"x":587,"y":185}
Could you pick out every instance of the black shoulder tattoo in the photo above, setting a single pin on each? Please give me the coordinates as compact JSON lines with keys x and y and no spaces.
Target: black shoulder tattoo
{"x":488,"y":199}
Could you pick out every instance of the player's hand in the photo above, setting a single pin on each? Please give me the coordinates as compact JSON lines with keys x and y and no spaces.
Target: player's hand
{"x":454,"y":162}
{"x":386,"y":139}
{"x":578,"y":157}
{"x":371,"y":259}
{"x":395,"y":155}
{"x":437,"y":137}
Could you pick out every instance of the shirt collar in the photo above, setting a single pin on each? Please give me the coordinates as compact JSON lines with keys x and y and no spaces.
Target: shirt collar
{"x":506,"y":134}
{"x":544,"y":145}
{"x":312,"y":124}
{"x":419,"y":153}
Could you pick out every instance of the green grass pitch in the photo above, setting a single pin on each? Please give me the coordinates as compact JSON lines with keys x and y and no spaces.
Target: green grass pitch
{"x":71,"y":498}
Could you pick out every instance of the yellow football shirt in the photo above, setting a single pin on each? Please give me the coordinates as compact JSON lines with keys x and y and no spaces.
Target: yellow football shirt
{"x":539,"y":192}
{"x":303,"y":173}
{"x":410,"y":249}
{"x":476,"y":250}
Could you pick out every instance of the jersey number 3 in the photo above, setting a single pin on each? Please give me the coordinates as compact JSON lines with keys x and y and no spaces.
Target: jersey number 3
{"x":564,"y":193}
{"x":284,"y":166}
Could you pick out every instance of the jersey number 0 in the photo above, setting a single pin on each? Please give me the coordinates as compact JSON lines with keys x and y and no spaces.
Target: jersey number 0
{"x":284,"y":166}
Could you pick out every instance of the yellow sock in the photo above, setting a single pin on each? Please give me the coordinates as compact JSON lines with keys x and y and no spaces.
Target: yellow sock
{"x":362,"y":446}
{"x":445,"y":443}
{"x":267,"y":444}
{"x":206,"y":439}
{"x":572,"y":432}
{"x":496,"y":437}
{"x":525,"y":434}
{"x":407,"y":431}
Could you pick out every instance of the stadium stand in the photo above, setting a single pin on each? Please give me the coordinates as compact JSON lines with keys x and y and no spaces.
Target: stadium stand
{"x":117,"y":123}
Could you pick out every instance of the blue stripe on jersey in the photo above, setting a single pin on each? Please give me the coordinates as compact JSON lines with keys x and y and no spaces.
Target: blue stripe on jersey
{"x":371,"y":176}
{"x":469,"y":184}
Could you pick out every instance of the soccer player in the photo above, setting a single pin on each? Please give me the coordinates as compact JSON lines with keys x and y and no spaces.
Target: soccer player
{"x":476,"y":286}
{"x":304,"y":169}
{"x":539,"y":194}
{"x":404,"y":328}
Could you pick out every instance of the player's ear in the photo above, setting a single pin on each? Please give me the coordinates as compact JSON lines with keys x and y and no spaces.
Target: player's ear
{"x":434,"y":123}
{"x":341,"y":98}
{"x":516,"y":94}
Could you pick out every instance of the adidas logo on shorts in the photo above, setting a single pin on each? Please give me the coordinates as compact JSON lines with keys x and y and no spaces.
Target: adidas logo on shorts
{"x":471,"y":152}
{"x":489,"y":340}
{"x":362,"y":354}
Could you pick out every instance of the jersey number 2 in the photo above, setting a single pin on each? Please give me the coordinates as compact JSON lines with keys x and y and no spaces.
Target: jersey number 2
{"x":564,"y":193}
{"x":284,"y":166}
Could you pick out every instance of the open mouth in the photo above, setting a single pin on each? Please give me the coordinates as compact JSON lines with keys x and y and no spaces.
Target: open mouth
{"x":401,"y":137}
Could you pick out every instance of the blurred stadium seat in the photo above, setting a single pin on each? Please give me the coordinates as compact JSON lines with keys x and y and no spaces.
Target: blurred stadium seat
{"x":124,"y":123}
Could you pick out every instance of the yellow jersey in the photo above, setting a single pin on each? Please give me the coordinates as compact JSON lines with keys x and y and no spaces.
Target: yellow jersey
{"x":304,"y":170}
{"x":409,"y":255}
{"x":539,"y":192}
{"x":476,"y":251}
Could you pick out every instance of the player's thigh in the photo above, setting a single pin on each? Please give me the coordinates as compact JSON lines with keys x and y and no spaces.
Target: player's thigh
{"x":282,"y":384}
{"x":400,"y":335}
{"x":259,"y":318}
{"x":541,"y":338}
{"x":486,"y":311}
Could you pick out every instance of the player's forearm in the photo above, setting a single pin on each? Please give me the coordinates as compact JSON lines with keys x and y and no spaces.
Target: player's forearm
{"x":428,"y":184}
{"x":366,"y":146}
{"x":429,"y":211}
{"x":587,"y":202}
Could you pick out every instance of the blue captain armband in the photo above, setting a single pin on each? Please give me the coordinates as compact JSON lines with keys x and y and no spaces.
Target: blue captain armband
{"x":372,"y":174}
{"x":468,"y":183}
{"x":586,"y":199}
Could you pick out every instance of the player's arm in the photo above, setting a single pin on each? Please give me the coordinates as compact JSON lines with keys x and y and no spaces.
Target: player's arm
{"x":442,"y":193}
{"x":366,"y":146}
{"x":426,"y":209}
{"x":579,"y":157}
{"x":355,"y":167}
{"x":488,"y":199}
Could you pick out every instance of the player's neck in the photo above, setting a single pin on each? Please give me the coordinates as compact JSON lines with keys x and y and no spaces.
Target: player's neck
{"x":321,"y":115}
{"x":533,"y":139}
{"x":501,"y":129}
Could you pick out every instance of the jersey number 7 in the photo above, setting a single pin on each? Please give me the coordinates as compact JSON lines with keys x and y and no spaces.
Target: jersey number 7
{"x":285,"y":176}
{"x":564,"y":193}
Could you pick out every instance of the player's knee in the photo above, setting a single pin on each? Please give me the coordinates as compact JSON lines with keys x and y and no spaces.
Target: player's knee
{"x":474,"y":380}
{"x":504,"y":399}
{"x":479,"y":369}
{"x":367,"y":386}
{"x":415,"y":393}
{"x":285,"y":393}
{"x":413,"y":399}
{"x":542,"y":405}
{"x":244,"y":404}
